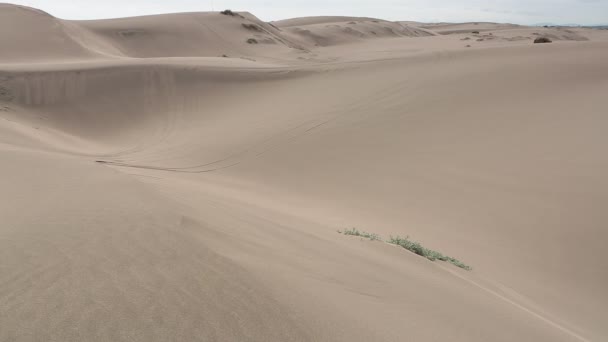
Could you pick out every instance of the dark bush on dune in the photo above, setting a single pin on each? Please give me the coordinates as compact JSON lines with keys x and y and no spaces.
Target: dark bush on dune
{"x":541,"y":40}
{"x":475,"y":32}
{"x":252,"y":27}
{"x":231,"y":13}
{"x":251,"y":41}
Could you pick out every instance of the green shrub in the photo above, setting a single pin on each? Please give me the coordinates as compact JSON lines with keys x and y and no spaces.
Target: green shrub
{"x":356,"y":232}
{"x":417,"y":248}
{"x":406,"y":243}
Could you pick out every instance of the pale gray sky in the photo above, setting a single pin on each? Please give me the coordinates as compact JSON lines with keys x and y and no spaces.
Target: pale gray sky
{"x":514,"y":11}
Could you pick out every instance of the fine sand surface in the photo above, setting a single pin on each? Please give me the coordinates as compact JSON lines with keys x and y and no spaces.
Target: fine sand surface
{"x":154,"y":190}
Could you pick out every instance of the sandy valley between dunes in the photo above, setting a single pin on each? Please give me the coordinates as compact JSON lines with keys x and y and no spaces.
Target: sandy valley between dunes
{"x":164,"y":179}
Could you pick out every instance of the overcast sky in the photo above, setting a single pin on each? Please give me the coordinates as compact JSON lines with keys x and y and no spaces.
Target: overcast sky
{"x":514,"y":11}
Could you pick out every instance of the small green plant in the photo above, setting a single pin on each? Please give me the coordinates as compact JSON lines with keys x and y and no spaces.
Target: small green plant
{"x":356,"y":232}
{"x":417,"y":248}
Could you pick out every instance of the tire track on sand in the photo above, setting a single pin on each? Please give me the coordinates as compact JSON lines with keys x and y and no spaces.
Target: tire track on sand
{"x":521,"y":307}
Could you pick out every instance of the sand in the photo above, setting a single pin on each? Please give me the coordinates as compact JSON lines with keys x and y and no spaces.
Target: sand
{"x":155,"y":190}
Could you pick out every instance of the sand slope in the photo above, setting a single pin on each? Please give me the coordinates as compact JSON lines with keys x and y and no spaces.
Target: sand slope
{"x":155,"y":191}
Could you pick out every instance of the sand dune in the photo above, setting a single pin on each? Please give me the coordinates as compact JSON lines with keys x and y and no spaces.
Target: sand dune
{"x":154,"y":190}
{"x":32,"y":35}
{"x":198,"y":34}
{"x":451,"y":28}
{"x":328,"y":31}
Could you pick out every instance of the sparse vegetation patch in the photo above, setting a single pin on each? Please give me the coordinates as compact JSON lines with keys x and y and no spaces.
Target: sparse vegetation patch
{"x":252,"y":41}
{"x":356,"y":232}
{"x":231,"y":13}
{"x":406,"y":243}
{"x":416,"y":247}
{"x":541,"y":40}
{"x":228,"y":12}
{"x":252,"y":27}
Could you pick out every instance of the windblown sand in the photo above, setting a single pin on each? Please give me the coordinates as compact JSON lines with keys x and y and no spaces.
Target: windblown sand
{"x":164,"y":179}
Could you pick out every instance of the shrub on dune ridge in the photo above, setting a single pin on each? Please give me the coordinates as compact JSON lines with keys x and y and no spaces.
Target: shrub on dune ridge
{"x":252,"y":27}
{"x":541,"y":40}
{"x":406,"y":243}
{"x":430,"y":254}
{"x":231,"y":13}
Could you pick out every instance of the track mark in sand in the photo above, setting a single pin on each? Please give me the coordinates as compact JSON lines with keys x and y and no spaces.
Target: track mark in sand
{"x":238,"y":157}
{"x":263,"y":147}
{"x":519,"y":306}
{"x":272,"y":142}
{"x":163,"y":168}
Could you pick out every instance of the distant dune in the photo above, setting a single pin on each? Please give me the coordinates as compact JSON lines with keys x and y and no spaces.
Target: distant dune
{"x":328,"y":31}
{"x":182,"y":177}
